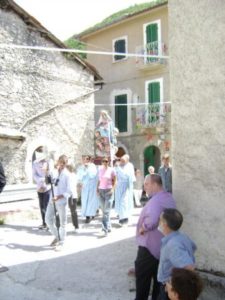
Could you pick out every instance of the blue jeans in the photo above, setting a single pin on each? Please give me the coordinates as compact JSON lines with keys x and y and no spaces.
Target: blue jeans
{"x":106,"y":199}
{"x":61,"y":206}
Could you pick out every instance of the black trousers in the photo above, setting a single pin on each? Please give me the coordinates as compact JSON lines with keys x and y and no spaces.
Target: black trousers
{"x":73,"y":210}
{"x":43,"y":203}
{"x":163,"y":294}
{"x":146,"y":267}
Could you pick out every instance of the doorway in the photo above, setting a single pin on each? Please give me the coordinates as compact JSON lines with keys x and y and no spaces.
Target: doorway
{"x":151,"y":158}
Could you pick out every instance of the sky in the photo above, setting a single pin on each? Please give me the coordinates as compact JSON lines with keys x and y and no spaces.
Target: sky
{"x":64,"y":18}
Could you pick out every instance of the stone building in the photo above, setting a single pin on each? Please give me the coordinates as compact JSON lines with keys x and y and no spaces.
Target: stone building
{"x":47,"y":97}
{"x":197,"y":77}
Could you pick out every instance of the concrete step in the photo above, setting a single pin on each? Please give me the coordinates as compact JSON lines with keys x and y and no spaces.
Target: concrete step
{"x":17,"y":192}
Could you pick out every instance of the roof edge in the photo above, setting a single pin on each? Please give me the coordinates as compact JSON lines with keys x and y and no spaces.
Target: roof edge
{"x":30,"y":20}
{"x":94,"y":30}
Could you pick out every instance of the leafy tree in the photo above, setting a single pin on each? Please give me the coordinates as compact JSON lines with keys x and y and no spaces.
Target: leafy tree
{"x":122,"y":14}
{"x":75,"y":44}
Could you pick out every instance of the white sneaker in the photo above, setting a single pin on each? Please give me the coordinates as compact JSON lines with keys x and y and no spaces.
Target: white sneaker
{"x":54,"y":242}
{"x":102,"y":233}
{"x":59,"y":247}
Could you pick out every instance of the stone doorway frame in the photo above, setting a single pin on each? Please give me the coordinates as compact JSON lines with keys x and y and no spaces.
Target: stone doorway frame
{"x":51,"y":146}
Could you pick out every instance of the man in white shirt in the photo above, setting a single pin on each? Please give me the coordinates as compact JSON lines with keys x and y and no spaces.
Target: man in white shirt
{"x":59,"y":200}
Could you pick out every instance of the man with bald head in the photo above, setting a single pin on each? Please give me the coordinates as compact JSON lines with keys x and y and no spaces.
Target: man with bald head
{"x":148,"y":237}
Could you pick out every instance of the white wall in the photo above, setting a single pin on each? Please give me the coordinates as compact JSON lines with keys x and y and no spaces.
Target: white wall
{"x":197,"y":76}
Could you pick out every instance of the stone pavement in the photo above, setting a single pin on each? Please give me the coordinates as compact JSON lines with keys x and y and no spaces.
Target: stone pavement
{"x":89,"y":267}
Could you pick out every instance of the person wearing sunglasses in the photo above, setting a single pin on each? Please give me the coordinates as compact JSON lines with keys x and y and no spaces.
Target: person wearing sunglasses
{"x":105,"y":190}
{"x":184,"y":285}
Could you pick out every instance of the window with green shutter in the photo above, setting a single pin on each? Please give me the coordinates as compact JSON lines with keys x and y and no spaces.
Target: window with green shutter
{"x":152,"y":33}
{"x":120,"y":46}
{"x":121,"y":112}
{"x":154,"y":92}
{"x":152,"y":41}
{"x":154,"y":100}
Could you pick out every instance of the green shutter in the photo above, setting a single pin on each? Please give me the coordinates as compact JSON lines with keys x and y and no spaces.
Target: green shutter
{"x":120,"y":46}
{"x":154,"y":97}
{"x":152,"y":41}
{"x":121,"y":113}
{"x":152,"y":33}
{"x":154,"y":92}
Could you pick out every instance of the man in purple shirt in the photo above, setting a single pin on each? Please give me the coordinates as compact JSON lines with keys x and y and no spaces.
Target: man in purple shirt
{"x":149,"y":237}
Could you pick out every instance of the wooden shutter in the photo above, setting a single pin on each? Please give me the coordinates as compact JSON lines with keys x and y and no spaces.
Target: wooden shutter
{"x":154,"y":92}
{"x":152,"y":41}
{"x":153,"y":99}
{"x":120,"y":46}
{"x":121,"y":113}
{"x":152,"y":33}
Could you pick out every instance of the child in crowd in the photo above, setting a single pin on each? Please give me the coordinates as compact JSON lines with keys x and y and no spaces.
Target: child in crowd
{"x":184,"y":285}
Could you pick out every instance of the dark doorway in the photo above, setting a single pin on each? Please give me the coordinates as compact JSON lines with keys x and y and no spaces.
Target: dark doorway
{"x":151,"y":158}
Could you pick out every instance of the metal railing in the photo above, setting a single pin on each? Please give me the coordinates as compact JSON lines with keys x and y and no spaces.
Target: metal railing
{"x":153,"y":115}
{"x":154,"y":48}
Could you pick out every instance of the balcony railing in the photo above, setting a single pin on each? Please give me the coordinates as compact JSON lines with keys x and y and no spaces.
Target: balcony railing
{"x":154,"y":48}
{"x":156,"y":115}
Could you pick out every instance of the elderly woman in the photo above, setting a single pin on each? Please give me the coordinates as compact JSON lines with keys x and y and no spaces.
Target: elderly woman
{"x":124,"y":189}
{"x":184,"y":285}
{"x":88,"y":178}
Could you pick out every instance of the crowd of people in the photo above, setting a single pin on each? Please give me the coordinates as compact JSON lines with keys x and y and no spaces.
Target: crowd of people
{"x":165,"y":263}
{"x":163,"y":252}
{"x":100,"y":187}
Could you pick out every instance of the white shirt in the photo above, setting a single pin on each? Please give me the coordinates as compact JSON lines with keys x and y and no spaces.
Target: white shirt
{"x":63,"y":186}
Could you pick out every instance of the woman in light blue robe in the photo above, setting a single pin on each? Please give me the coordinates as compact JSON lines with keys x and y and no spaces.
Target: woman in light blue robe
{"x":88,"y":177}
{"x":124,"y":190}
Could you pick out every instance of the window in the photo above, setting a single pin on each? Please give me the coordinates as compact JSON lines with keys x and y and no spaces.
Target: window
{"x":153,"y":40}
{"x":154,"y":96}
{"x":120,"y":46}
{"x":154,"y":92}
{"x":152,"y":33}
{"x":121,"y":112}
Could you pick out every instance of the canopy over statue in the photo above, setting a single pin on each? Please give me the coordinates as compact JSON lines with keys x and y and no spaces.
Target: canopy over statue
{"x":105,"y":137}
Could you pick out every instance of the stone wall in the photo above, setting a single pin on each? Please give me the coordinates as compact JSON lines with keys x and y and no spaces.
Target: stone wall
{"x":32,"y":82}
{"x":197,"y":77}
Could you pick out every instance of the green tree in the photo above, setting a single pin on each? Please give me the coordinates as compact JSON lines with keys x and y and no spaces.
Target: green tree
{"x":75,"y":44}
